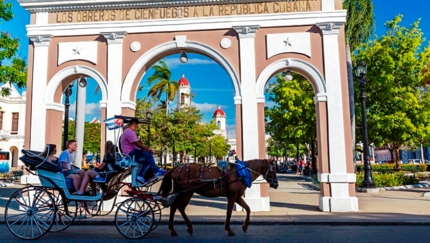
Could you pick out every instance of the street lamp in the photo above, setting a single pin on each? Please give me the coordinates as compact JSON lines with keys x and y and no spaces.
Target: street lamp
{"x":183,"y":58}
{"x":288,"y":76}
{"x":360,"y":72}
{"x":148,"y":117}
{"x":67,"y":93}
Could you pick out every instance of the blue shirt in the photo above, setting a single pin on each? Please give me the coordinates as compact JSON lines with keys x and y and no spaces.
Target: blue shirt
{"x":66,"y":157}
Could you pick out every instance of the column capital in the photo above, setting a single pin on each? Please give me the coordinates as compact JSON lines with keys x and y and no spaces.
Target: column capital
{"x":114,"y":37}
{"x":237,"y":100}
{"x":40,"y":40}
{"x":246,"y":31}
{"x":330,"y":28}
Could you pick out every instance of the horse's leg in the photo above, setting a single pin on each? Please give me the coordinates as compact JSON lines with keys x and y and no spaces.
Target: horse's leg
{"x":230,"y":204}
{"x":184,"y":202}
{"x":243,"y":204}
{"x":172,"y":215}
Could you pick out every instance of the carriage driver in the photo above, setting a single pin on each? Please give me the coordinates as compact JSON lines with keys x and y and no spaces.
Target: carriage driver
{"x":65,"y":159}
{"x":142,"y":154}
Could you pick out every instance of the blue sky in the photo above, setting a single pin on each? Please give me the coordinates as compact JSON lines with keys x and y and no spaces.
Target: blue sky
{"x":209,"y":82}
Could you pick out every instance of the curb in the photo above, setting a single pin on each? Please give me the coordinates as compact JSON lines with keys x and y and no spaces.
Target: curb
{"x":267,"y":222}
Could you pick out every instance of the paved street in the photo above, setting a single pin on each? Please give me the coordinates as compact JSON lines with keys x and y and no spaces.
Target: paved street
{"x":256,"y":233}
{"x":296,"y":202}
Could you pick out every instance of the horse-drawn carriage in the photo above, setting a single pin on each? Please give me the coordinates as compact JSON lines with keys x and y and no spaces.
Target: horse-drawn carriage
{"x":33,"y":211}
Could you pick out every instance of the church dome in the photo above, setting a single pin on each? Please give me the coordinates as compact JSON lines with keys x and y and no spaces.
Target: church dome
{"x":218,"y":112}
{"x":183,"y":81}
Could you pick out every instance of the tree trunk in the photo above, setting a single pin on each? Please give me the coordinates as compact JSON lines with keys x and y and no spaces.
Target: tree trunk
{"x":351,"y":98}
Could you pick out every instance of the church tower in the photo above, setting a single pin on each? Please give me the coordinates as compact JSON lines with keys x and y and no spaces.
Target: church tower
{"x":184,"y":92}
{"x":220,"y":120}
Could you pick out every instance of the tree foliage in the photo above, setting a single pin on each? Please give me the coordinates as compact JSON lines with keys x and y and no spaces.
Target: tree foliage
{"x":360,"y":22}
{"x":292,"y":120}
{"x":162,"y":83}
{"x":91,"y":136}
{"x":13,"y":69}
{"x":182,"y":130}
{"x":398,"y":101}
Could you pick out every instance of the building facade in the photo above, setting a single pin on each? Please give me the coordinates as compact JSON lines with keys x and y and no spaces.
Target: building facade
{"x":12,"y":128}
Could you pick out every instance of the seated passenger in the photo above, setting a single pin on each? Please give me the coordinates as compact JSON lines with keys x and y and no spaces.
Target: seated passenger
{"x":107,"y":165}
{"x":142,"y":154}
{"x":66,"y":158}
{"x":48,"y":153}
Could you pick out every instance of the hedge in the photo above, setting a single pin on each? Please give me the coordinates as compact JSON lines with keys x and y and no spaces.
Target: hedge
{"x":388,"y":180}
{"x":388,"y":168}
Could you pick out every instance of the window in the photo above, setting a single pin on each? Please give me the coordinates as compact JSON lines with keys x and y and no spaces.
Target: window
{"x":182,"y":98}
{"x":219,"y":124}
{"x":15,"y":117}
{"x":1,"y":119}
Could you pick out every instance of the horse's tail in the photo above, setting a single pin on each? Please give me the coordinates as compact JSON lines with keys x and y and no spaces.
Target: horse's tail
{"x":166,"y":184}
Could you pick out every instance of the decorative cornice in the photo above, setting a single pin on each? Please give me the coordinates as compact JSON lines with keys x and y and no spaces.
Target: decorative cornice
{"x":246,"y":31}
{"x":80,"y":5}
{"x":114,"y":37}
{"x":330,"y":28}
{"x":40,"y":40}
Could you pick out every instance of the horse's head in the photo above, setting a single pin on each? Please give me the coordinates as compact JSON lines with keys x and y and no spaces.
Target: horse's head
{"x":270,"y":175}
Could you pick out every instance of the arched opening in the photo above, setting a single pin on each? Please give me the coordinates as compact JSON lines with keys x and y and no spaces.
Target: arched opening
{"x":14,"y":157}
{"x":202,"y":83}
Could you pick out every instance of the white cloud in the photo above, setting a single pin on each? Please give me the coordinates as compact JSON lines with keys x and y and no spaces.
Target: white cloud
{"x":231,"y":131}
{"x":206,"y":107}
{"x":90,"y":109}
{"x":173,"y":62}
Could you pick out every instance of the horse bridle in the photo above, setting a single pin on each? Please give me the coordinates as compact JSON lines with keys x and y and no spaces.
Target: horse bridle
{"x":270,"y":170}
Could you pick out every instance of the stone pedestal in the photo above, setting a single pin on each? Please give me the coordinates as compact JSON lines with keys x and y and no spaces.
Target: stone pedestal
{"x":257,"y":197}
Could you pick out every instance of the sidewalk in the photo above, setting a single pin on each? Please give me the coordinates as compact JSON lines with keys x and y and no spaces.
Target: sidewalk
{"x":296,"y":202}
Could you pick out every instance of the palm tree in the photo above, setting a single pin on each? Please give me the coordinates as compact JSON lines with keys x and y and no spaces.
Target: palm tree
{"x":161,"y":83}
{"x":360,"y":24}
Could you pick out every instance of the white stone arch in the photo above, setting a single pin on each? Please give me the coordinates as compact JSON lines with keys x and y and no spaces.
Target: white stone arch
{"x":69,"y":71}
{"x":171,"y":45}
{"x":315,"y":77}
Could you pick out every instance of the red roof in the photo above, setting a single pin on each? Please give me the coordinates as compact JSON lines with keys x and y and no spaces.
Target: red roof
{"x":219,"y":112}
{"x":183,"y":81}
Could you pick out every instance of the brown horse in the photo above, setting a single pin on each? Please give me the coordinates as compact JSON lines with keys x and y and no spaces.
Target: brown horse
{"x":211,"y":182}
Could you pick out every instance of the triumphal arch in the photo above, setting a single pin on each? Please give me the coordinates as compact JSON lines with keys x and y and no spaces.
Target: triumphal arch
{"x":115,"y":42}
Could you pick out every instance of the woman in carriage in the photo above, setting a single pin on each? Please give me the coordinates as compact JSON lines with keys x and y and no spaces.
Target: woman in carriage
{"x":103,"y":172}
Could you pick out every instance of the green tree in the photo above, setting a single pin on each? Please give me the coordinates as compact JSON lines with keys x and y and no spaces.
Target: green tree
{"x":360,"y":24}
{"x":13,"y":69}
{"x":292,"y":120}
{"x":162,"y":83}
{"x":397,"y":101}
{"x":91,"y":138}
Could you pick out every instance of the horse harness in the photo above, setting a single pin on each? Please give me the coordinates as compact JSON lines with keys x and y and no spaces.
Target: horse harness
{"x":220,"y":182}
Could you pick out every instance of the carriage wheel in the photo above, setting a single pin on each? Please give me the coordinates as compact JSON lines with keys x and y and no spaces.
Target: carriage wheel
{"x":62,"y":219}
{"x":30,"y":212}
{"x":134,"y":218}
{"x":155,"y":205}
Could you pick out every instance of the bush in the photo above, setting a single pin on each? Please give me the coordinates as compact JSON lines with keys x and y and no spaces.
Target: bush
{"x":389,"y":168}
{"x":388,"y":179}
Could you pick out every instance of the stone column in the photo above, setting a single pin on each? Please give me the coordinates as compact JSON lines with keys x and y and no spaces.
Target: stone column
{"x":257,"y":196}
{"x":81,"y":93}
{"x":248,"y":89}
{"x":39,"y":81}
{"x":338,"y":178}
{"x":114,"y":76}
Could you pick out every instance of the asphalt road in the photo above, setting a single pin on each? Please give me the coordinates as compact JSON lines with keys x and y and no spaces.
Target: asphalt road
{"x":256,"y":233}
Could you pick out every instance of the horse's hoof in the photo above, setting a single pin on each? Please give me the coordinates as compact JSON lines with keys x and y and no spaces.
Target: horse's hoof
{"x":231,"y":233}
{"x":173,"y":233}
{"x":190,"y":231}
{"x":245,"y":228}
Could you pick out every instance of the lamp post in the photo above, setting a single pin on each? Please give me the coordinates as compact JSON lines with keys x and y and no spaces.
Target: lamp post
{"x":360,"y":72}
{"x":148,"y":117}
{"x":67,"y":93}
